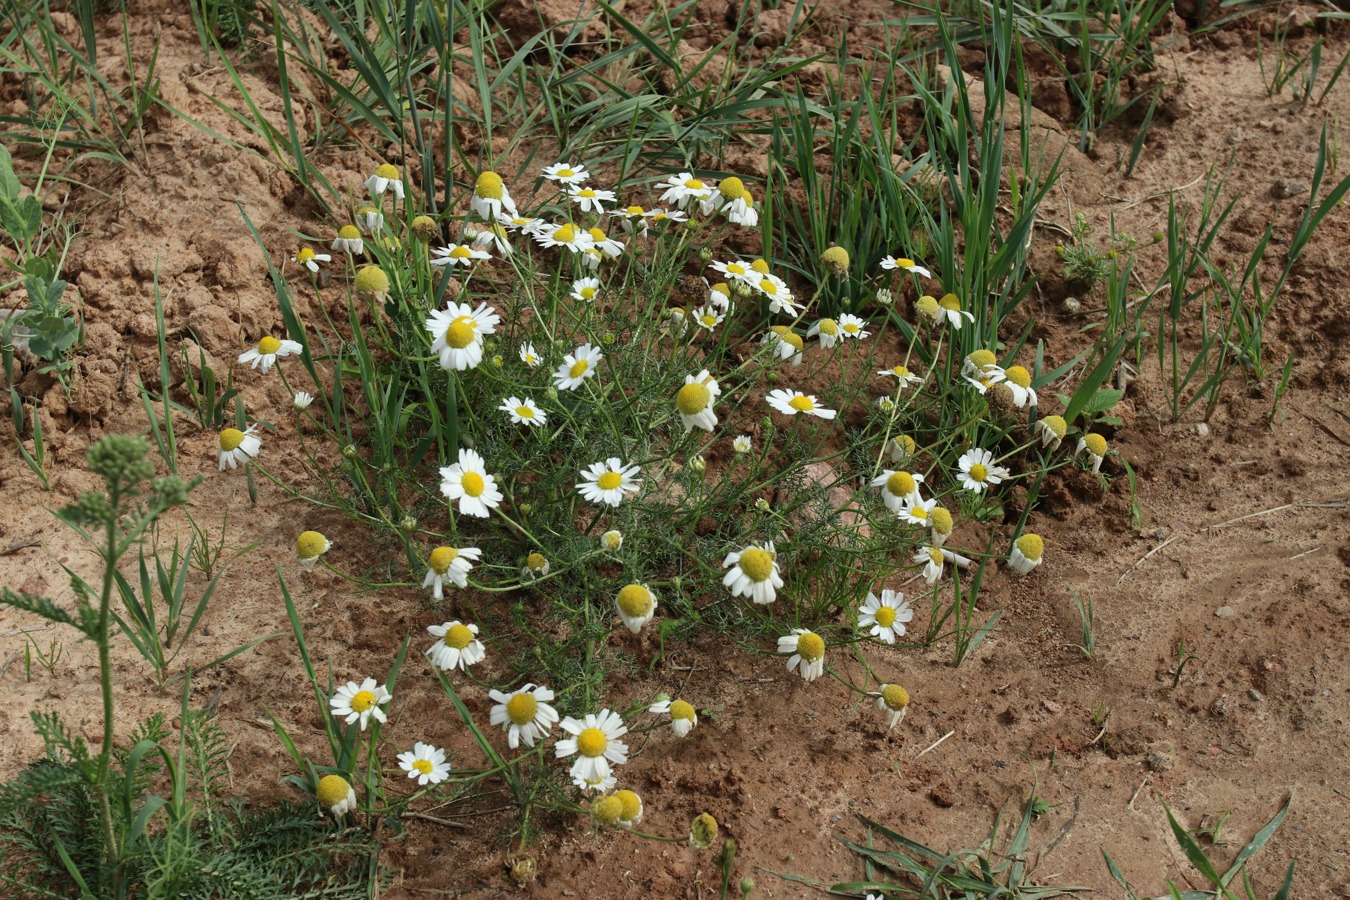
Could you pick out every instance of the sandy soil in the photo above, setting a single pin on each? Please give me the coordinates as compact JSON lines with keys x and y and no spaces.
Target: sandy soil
{"x":1244,"y":553}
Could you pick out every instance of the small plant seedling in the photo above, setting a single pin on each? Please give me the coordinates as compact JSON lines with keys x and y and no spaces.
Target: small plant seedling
{"x":1101,"y":713}
{"x":1040,"y":806}
{"x":32,"y":652}
{"x":1211,"y":825}
{"x":1087,"y":622}
{"x":1183,"y":657}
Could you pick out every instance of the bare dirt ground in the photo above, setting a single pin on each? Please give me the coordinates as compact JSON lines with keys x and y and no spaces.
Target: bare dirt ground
{"x":1244,"y":554}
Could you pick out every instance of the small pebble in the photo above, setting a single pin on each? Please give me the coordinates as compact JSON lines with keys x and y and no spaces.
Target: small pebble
{"x":1284,"y":189}
{"x":1071,"y":305}
{"x":1236,"y":136}
{"x":1202,"y":429}
{"x":1225,"y":612}
{"x":1256,"y":695}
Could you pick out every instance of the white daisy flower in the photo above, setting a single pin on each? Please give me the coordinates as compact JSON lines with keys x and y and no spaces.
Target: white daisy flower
{"x":780,"y":296}
{"x":903,"y":376}
{"x":426,"y":763}
{"x":491,"y":200}
{"x":468,"y":482}
{"x":885,"y":615}
{"x":386,"y":178}
{"x":607,"y":482}
{"x":901,"y":448}
{"x":851,"y":326}
{"x":683,"y":716}
{"x":268,"y":351}
{"x":728,"y":189}
{"x":457,"y":255}
{"x":1093,"y":443}
{"x":908,"y":265}
{"x":525,"y":713}
{"x":586,"y":289}
{"x":237,"y":447}
{"x":708,"y":317}
{"x":949,"y":308}
{"x":636,"y":605}
{"x":572,"y":237}
{"x":827,"y":331}
{"x":885,"y":404}
{"x":790,"y":403}
{"x":893,"y":701}
{"x":1027,"y":553}
{"x":1051,"y":431}
{"x":633,"y":219}
{"x":1018,"y":380}
{"x":741,"y":443}
{"x":978,"y":471}
{"x":369,"y":219}
{"x":529,"y":356}
{"x":898,"y":488}
{"x":719,"y":295}
{"x":494,"y":236}
{"x":671,"y":215}
{"x":458,"y":647}
{"x":309,"y":546}
{"x":458,"y":332}
{"x":536,"y":565}
{"x":302,"y":400}
{"x":566,"y":173}
{"x":589,"y":199}
{"x":577,"y":367}
{"x":694,"y":401}
{"x":753,"y":572}
{"x":786,"y":343}
{"x":742,"y":211}
{"x":335,"y":795}
{"x":360,"y":701}
{"x":603,"y":243}
{"x":682,"y":188}
{"x":523,"y":412}
{"x":808,"y":653}
{"x":932,"y":560}
{"x":309,"y":259}
{"x":733,"y":270}
{"x":526,"y":225}
{"x":595,"y":744}
{"x":349,"y":241}
{"x":612,"y":540}
{"x":675,"y":321}
{"x":449,"y":564}
{"x":918,"y":512}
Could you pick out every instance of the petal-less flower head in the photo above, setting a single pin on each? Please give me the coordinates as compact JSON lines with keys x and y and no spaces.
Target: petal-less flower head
{"x":682,"y":188}
{"x":309,"y":259}
{"x":808,"y":653}
{"x":586,"y":289}
{"x":927,"y":310}
{"x":1095,"y":445}
{"x":237,"y":447}
{"x":425,"y":763}
{"x":595,"y":742}
{"x":851,"y":326}
{"x":354,"y":702}
{"x":468,"y":482}
{"x":458,"y":646}
{"x":457,"y":255}
{"x":336,"y":796}
{"x":371,"y":283}
{"x":1018,"y":380}
{"x":491,"y":200}
{"x":590,"y":199}
{"x":529,"y":356}
{"x":906,"y":265}
{"x":694,"y":401}
{"x":790,"y":403}
{"x":702,"y":831}
{"x":577,"y":367}
{"x":268,"y":351}
{"x":978,"y":470}
{"x":885,"y":616}
{"x":941,"y":520}
{"x":932,"y":559}
{"x":607,"y":482}
{"x":1027,"y":552}
{"x":901,"y":447}
{"x":606,"y":810}
{"x":949,"y":308}
{"x":449,"y":564}
{"x":1051,"y":430}
{"x":349,"y":241}
{"x":826,"y":331}
{"x":523,"y":412}
{"x":898,"y":488}
{"x":525,"y":713}
{"x":309,"y":546}
{"x":893,"y":701}
{"x":636,"y":605}
{"x":386,"y":178}
{"x":566,"y":173}
{"x":753,"y":572}
{"x":612,"y":540}
{"x":835,"y":261}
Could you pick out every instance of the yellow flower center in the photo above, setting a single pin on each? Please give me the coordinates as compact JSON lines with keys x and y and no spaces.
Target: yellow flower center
{"x":950,"y":301}
{"x":460,"y":333}
{"x":919,"y":512}
{"x":472,"y":483}
{"x":305,"y":255}
{"x":708,"y":320}
{"x":387,"y":171}
{"x":1018,"y":376}
{"x":310,"y":544}
{"x":592,"y":742}
{"x":607,"y":810}
{"x":521,"y":708}
{"x":579,"y":368}
{"x":609,"y":481}
{"x":597,"y":235}
{"x":536,"y":562}
{"x":829,"y":326}
{"x":524,"y":412}
{"x":586,"y":192}
{"x":461,"y":252}
{"x":587,"y":293}
{"x":371,"y":280}
{"x":895,"y":697}
{"x":900,"y":484}
{"x":756,"y":563}
{"x":735,"y":269}
{"x":900,"y":372}
{"x":230,"y":439}
{"x":632,"y":805}
{"x":458,"y":636}
{"x":565,"y":235}
{"x":802,"y":403}
{"x":852,"y":328}
{"x":635,"y":601}
{"x":982,"y":358}
{"x":363,"y":701}
{"x":489,"y":186}
{"x":635,"y":211}
{"x":693,"y":398}
{"x":904,"y":441}
{"x":935,"y":555}
{"x":565,"y":173}
{"x":885,"y":616}
{"x":905,"y":263}
{"x":979,"y":472}
{"x":810,"y":646}
{"x":942,"y":520}
{"x":768,"y":287}
{"x":836,"y":258}
{"x":760,"y":266}
{"x":1096,"y":444}
{"x":731,"y":188}
{"x":268,"y":345}
{"x":694,"y":184}
{"x":441,"y":558}
{"x":422,"y":765}
{"x":349,"y":232}
{"x":682,"y":710}
{"x":791,"y":338}
{"x":1031,"y":546}
{"x":332,"y":790}
{"x":928,"y":306}
{"x":722,"y":288}
{"x":1056,"y":424}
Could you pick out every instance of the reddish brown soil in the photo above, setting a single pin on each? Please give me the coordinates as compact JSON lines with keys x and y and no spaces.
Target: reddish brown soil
{"x":1244,"y":553}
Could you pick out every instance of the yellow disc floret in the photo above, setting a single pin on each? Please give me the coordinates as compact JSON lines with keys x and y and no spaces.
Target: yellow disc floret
{"x":460,"y":333}
{"x":941,"y":519}
{"x":722,"y":288}
{"x":521,"y":708}
{"x":950,"y":301}
{"x":472,"y":483}
{"x":632,"y":805}
{"x":978,"y":472}
{"x":310,"y":544}
{"x":304,"y":255}
{"x":607,"y":810}
{"x":1056,"y":424}
{"x":371,"y":280}
{"x":489,"y":186}
{"x":756,"y":563}
{"x":760,"y":266}
{"x":693,"y":398}
{"x":387,"y":171}
{"x":679,"y":709}
{"x":579,"y":368}
{"x":1095,"y":443}
{"x":905,"y":442}
{"x":810,"y":646}
{"x":1031,"y":546}
{"x":565,"y":235}
{"x":609,"y":481}
{"x":802,"y":403}
{"x":592,"y":742}
{"x":349,"y":232}
{"x":900,"y":484}
{"x":332,"y":790}
{"x":885,"y":616}
{"x":1018,"y":376}
{"x":828,"y":326}
{"x":441,"y":558}
{"x":458,"y":636}
{"x":230,"y":439}
{"x":363,"y":701}
{"x":982,"y":358}
{"x":536,"y":562}
{"x":895,"y":697}
{"x":836,"y":260}
{"x":731,"y":188}
{"x":927,"y":307}
{"x":424,"y":227}
{"x":635,"y":601}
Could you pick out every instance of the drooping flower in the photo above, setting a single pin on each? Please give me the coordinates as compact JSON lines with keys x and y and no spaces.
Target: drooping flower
{"x":309,"y":546}
{"x":449,"y":564}
{"x":826,"y":331}
{"x":1051,"y":431}
{"x":349,"y":241}
{"x":636,"y":605}
{"x":491,"y":200}
{"x":386,"y":177}
{"x":1095,"y":445}
{"x":336,"y":796}
{"x":694,"y":401}
{"x":1018,"y":380}
{"x":893,"y":701}
{"x":898,"y":488}
{"x":949,"y":308}
{"x":238,"y":447}
{"x":786,"y":343}
{"x":1027,"y":552}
